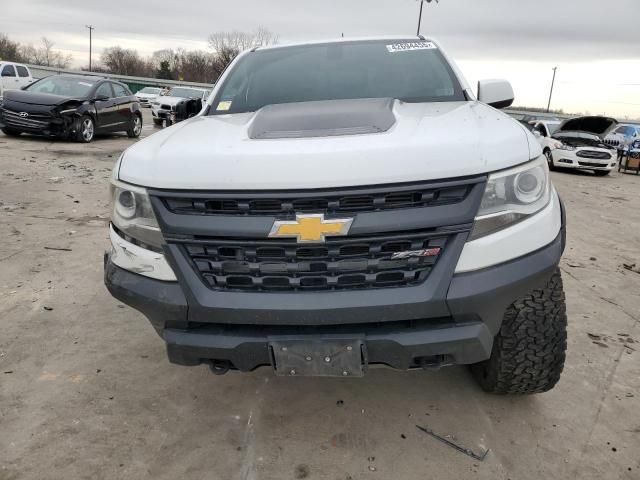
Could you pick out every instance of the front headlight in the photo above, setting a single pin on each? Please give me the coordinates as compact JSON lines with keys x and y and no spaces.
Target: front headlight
{"x":564,"y":146}
{"x":133,"y":216}
{"x":512,"y":196}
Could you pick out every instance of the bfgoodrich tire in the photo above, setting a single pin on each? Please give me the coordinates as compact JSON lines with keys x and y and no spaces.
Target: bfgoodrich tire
{"x":529,"y":351}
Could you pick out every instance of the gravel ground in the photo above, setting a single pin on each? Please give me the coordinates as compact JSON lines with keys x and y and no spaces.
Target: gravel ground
{"x":86,"y":390}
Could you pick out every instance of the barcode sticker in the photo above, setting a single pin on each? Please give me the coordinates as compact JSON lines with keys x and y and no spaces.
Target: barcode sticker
{"x":410,"y":46}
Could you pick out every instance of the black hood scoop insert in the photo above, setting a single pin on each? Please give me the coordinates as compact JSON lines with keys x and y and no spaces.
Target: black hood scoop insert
{"x":327,"y":118}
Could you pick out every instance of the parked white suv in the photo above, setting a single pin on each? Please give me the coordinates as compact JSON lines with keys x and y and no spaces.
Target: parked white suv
{"x":14,"y":76}
{"x":147,"y":95}
{"x":323,"y":214}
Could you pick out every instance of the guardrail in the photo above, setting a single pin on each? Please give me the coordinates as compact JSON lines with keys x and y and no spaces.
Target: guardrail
{"x":134,"y":83}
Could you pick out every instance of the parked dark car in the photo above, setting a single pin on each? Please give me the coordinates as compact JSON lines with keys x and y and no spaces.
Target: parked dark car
{"x":71,"y":106}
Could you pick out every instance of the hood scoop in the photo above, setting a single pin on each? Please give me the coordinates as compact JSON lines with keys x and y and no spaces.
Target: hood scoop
{"x":327,"y":118}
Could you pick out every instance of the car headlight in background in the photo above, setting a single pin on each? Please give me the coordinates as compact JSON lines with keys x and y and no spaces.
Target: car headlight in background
{"x":512,"y":196}
{"x":133,"y":216}
{"x":564,"y":146}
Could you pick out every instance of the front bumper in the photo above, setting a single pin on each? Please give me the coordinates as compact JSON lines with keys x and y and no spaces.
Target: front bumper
{"x":454,"y":326}
{"x":570,"y":159}
{"x":56,"y":126}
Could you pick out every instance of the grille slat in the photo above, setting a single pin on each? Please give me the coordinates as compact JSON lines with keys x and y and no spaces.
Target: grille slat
{"x":341,"y":264}
{"x":290,"y":204}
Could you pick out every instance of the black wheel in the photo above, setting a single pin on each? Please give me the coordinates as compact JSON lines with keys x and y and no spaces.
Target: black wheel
{"x":136,"y":128}
{"x":549,"y":155}
{"x":11,"y":132}
{"x":85,"y":129}
{"x":529,"y":351}
{"x":157,"y":122}
{"x":601,"y":173}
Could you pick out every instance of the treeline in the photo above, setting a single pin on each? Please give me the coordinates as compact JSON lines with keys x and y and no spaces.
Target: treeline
{"x":188,"y":65}
{"x":43,"y":54}
{"x":169,"y":64}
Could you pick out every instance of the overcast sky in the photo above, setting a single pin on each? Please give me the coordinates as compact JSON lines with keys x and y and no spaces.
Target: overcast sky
{"x":595,"y":44}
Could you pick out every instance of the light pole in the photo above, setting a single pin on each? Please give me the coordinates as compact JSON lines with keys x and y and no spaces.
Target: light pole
{"x":90,"y":27}
{"x":420,"y":15}
{"x":551,"y":92}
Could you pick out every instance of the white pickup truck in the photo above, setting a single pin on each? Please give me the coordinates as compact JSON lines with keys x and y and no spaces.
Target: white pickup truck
{"x":13,"y":76}
{"x":323,"y":214}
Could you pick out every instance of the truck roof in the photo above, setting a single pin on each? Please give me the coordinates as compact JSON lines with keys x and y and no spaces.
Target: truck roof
{"x":345,"y":40}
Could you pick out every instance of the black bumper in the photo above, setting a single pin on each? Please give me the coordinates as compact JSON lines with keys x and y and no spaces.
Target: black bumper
{"x":455,"y":326}
{"x":58,"y":127}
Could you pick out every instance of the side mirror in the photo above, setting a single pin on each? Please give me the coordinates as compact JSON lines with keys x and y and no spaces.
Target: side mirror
{"x":496,"y":93}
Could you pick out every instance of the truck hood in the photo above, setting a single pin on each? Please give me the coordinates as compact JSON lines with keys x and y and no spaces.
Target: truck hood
{"x":600,"y":126}
{"x":428,"y":141}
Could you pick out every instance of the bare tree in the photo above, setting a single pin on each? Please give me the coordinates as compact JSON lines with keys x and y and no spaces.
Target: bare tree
{"x":10,"y":50}
{"x":227,"y":45}
{"x":236,"y":40}
{"x":124,"y":61}
{"x":45,"y":55}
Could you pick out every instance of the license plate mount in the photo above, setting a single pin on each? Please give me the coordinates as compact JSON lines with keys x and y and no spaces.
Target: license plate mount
{"x":324,"y":357}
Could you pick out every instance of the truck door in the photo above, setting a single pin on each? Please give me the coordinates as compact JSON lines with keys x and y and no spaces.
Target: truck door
{"x":24,"y":76}
{"x":9,"y":78}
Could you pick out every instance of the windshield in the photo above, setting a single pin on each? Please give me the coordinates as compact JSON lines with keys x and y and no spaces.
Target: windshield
{"x":185,"y":93}
{"x":150,"y":90}
{"x":411,"y":71}
{"x":553,"y":127}
{"x":65,"y":86}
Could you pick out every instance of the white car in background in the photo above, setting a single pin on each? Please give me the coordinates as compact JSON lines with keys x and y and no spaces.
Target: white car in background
{"x":579,"y":143}
{"x":148,"y":95}
{"x":14,"y":76}
{"x":543,"y":131}
{"x":164,"y":108}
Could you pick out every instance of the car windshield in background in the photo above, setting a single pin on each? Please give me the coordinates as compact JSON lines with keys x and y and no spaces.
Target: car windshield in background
{"x":149,"y":90}
{"x":406,"y":70}
{"x":65,"y":86}
{"x":185,"y":93}
{"x":552,"y":127}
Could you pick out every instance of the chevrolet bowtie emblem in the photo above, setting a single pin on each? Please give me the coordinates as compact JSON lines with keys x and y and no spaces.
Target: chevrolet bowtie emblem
{"x":310,"y":228}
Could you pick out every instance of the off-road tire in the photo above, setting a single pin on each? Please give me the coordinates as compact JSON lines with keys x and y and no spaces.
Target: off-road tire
{"x":11,"y":132}
{"x":601,"y":173}
{"x":529,"y":351}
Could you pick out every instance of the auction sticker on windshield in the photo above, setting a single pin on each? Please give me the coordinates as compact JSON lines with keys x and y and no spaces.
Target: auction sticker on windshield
{"x":409,"y":46}
{"x":224,"y":106}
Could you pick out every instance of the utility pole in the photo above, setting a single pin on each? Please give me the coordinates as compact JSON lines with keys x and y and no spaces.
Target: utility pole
{"x":420,"y":15}
{"x":90,"y":27}
{"x":551,"y":92}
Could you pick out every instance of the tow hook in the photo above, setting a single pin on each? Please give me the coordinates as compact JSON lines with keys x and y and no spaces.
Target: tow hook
{"x":219,"y":367}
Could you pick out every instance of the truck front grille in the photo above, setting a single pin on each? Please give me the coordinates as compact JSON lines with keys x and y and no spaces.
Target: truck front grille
{"x":339,"y":264}
{"x":320,"y":202}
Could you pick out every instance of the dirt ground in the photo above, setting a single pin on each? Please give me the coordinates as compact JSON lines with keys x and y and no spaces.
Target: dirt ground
{"x":86,"y":390}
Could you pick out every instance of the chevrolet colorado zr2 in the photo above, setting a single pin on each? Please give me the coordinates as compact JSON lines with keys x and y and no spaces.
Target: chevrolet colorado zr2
{"x":346,"y":204}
